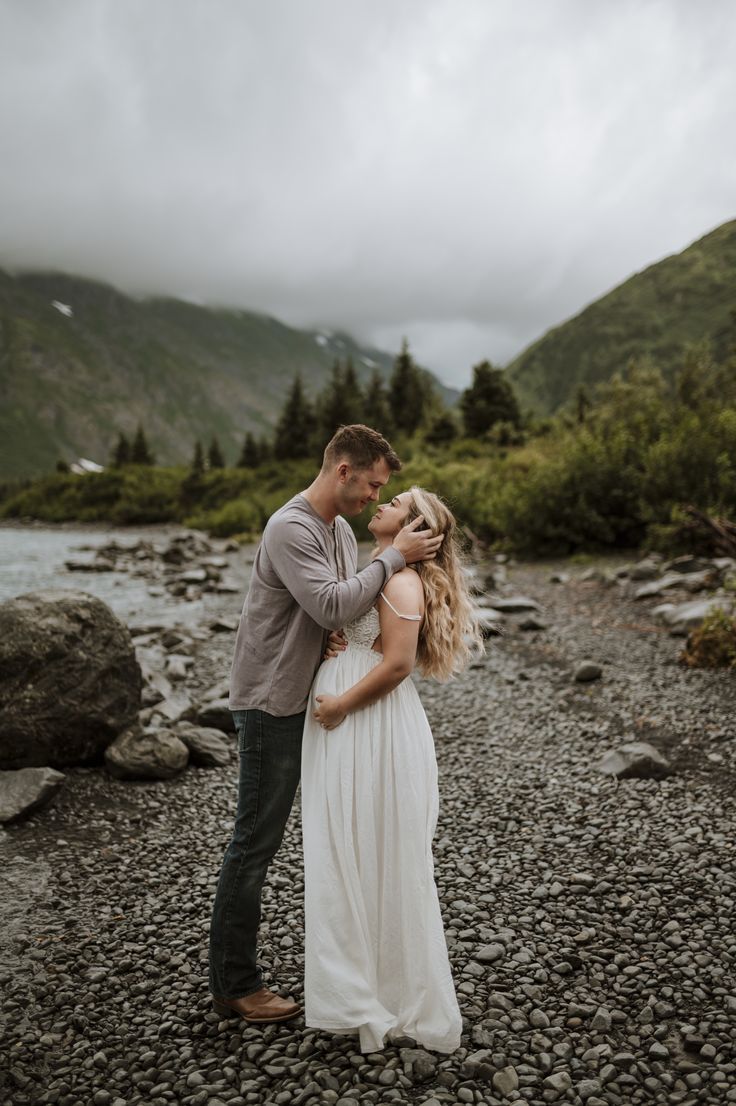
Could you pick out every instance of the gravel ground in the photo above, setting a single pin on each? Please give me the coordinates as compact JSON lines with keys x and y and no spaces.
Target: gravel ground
{"x":590,"y":923}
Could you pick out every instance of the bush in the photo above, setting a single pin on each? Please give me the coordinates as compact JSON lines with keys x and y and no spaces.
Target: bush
{"x":713,"y":643}
{"x":133,"y":494}
{"x":586,"y":493}
{"x":236,"y":517}
{"x":694,"y":461}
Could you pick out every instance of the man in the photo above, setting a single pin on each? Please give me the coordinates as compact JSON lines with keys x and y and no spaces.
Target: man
{"x":304,"y":583}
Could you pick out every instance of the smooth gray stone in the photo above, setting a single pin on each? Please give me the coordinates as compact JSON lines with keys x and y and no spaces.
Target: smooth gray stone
{"x":644,"y":570}
{"x":587,"y":671}
{"x":669,"y":580}
{"x":506,"y":1080}
{"x":688,"y":563}
{"x":690,"y":581}
{"x":25,"y":790}
{"x":636,"y":759}
{"x":686,"y":616}
{"x":177,"y":707}
{"x":488,"y":954}
{"x":216,"y":715}
{"x":207,"y":747}
{"x":514,"y":603}
{"x":135,"y":755}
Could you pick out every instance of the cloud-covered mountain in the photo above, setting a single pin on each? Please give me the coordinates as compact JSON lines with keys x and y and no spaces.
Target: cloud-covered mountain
{"x":80,"y":362}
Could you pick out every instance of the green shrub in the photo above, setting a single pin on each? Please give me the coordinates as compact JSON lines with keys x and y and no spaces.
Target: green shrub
{"x":713,"y":643}
{"x":586,"y":494}
{"x":238,"y":516}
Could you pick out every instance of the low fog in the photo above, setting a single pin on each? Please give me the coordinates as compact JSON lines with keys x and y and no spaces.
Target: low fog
{"x":463,"y":172}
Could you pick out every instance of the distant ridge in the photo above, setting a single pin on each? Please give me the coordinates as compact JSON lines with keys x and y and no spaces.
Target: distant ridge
{"x":81,"y":361}
{"x":660,"y":311}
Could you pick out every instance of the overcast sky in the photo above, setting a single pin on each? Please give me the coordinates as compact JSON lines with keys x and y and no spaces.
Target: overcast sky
{"x":464,"y":172}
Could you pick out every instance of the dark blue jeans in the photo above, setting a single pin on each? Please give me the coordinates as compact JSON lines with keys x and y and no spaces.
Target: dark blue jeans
{"x":270,"y":751}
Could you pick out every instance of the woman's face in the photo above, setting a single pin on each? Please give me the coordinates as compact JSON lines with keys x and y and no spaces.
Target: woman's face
{"x":390,"y":517}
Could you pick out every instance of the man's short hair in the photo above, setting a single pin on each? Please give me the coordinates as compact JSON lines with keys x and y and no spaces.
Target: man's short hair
{"x":361,"y":447}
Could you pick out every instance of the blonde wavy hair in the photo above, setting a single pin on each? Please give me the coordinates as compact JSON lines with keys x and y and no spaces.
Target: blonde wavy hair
{"x":449,"y":636}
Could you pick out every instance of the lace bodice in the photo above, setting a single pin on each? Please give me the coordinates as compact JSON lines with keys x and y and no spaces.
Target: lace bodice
{"x":364,"y":630}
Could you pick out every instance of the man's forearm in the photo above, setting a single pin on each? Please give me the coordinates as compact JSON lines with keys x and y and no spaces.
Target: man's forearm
{"x":332,"y":603}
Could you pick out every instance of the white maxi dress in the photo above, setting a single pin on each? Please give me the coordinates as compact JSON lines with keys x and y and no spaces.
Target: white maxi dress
{"x":376,"y":958}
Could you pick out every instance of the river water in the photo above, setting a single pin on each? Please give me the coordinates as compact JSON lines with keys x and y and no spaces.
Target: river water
{"x":33,"y":558}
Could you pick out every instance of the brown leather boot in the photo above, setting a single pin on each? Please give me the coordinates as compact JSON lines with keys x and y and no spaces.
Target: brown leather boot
{"x":263,"y":1006}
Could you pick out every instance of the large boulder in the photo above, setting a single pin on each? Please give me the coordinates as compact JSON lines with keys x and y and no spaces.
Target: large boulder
{"x":25,"y":790}
{"x":69,"y":679}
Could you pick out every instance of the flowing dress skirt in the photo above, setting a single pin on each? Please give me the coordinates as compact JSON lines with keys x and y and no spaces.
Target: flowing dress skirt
{"x":375,"y":951}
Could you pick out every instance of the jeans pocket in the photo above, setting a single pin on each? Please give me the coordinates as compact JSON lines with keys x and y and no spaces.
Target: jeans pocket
{"x":240,"y":718}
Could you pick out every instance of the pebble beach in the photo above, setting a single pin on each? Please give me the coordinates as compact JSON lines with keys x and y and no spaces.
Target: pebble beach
{"x":590,"y":920}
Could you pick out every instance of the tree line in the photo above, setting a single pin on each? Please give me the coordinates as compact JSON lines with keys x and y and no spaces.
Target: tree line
{"x":615,"y":468}
{"x":403,"y":405}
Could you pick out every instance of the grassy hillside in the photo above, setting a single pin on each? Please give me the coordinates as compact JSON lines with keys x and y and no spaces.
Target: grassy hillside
{"x":660,"y":312}
{"x":70,"y":383}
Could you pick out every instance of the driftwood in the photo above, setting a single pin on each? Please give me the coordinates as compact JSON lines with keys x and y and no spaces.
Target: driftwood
{"x":719,"y":533}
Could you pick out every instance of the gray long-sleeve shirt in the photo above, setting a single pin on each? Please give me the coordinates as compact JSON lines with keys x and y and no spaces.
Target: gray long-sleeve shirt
{"x":304,"y":583}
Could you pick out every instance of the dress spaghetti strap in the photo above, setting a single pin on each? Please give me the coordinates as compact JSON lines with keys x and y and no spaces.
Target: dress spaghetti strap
{"x":409,"y":617}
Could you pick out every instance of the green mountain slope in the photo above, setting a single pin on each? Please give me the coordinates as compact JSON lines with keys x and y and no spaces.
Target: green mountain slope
{"x":660,"y":311}
{"x":70,"y":382}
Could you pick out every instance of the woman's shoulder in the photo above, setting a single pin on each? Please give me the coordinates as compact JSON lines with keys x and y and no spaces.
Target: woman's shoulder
{"x":406,"y":591}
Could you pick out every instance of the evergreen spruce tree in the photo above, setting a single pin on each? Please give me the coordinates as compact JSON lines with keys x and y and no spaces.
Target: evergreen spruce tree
{"x":191,"y":485}
{"x":441,"y":430}
{"x":140,"y":454}
{"x":341,"y":402}
{"x":582,"y":403}
{"x":295,"y":427}
{"x":214,"y":454}
{"x":354,"y":399}
{"x":121,"y":453}
{"x":250,"y":456}
{"x":488,"y":400}
{"x":265,"y":451}
{"x":197,"y":466}
{"x":409,"y":392}
{"x":376,"y":410}
{"x":331,"y":403}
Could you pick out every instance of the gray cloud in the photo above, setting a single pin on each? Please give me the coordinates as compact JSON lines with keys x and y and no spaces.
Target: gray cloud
{"x":463,"y":172}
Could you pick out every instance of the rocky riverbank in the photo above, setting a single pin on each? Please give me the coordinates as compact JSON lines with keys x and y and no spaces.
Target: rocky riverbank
{"x":590,"y":920}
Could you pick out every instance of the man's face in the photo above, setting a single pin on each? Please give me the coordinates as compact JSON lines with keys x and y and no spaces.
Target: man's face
{"x":361,"y":487}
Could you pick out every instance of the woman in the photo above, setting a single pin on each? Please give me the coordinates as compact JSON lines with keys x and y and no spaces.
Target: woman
{"x":376,"y":958}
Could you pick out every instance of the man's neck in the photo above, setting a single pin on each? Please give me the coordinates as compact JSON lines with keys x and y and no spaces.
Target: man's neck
{"x":319,"y":495}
